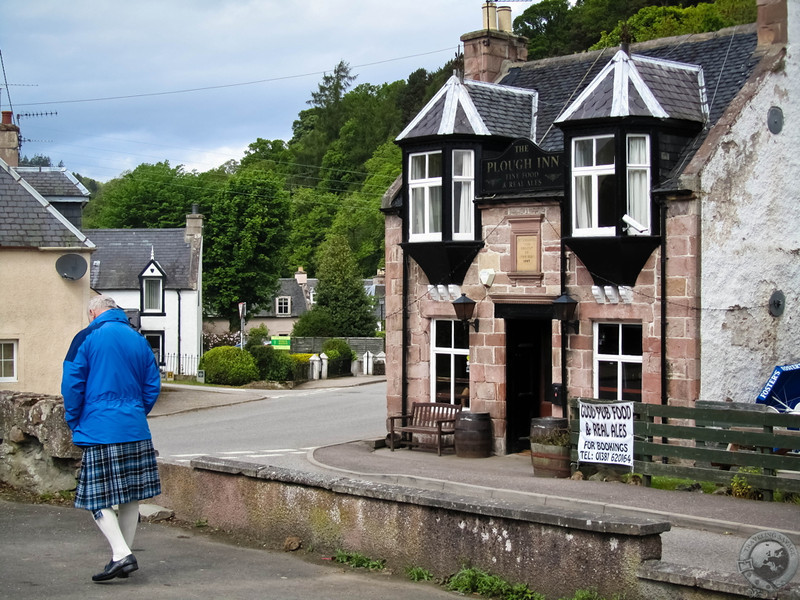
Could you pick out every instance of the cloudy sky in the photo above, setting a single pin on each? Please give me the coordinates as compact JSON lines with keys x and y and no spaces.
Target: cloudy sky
{"x":195,"y":81}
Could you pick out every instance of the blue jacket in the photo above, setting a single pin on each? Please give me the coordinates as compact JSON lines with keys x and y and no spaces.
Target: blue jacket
{"x":110,"y":382}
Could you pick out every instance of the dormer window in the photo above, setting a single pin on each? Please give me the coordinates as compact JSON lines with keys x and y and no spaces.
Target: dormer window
{"x":463,"y":194}
{"x":283,"y":306}
{"x":425,"y":192}
{"x":151,"y":282}
{"x":598,"y":205}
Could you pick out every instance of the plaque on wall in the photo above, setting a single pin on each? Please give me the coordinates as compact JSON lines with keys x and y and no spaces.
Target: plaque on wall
{"x":527,"y":253}
{"x":522,"y":167}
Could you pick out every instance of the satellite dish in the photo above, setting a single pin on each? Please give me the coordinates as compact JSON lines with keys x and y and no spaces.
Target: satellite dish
{"x":71,"y":266}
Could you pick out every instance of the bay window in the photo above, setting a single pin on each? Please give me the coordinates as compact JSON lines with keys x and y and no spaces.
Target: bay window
{"x":593,"y":186}
{"x":463,"y":194}
{"x":638,"y":148}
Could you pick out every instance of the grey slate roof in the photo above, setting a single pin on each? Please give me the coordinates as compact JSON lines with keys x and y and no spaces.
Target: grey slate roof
{"x":122,"y":254}
{"x":55,"y":182}
{"x":727,"y":58}
{"x":288,"y":286}
{"x":475,"y":108}
{"x":642,"y":86}
{"x":28,"y":221}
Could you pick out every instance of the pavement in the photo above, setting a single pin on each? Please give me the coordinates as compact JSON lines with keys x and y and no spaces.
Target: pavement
{"x":49,"y":551}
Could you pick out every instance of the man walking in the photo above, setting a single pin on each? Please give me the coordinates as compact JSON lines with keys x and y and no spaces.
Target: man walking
{"x":110,"y":383}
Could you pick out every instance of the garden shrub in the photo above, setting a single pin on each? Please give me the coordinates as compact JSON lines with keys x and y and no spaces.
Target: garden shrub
{"x":272,"y":365}
{"x":257,"y":336}
{"x":300,"y":366}
{"x":337,"y":348}
{"x":227,"y":365}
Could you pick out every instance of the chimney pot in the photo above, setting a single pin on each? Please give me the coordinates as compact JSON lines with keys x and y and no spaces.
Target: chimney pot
{"x":504,"y":18}
{"x":8,"y":117}
{"x":490,"y":15}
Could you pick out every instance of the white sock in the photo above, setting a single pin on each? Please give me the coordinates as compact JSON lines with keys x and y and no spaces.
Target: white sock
{"x":128,"y":520}
{"x":109,"y":525}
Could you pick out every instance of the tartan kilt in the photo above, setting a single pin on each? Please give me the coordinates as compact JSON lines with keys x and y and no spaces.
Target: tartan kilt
{"x":117,"y":474}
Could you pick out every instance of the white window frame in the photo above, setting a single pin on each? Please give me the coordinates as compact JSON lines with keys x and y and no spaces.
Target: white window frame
{"x":619,"y":358}
{"x":466,"y":181}
{"x":424,"y":185}
{"x":283,"y":306}
{"x":159,"y":352}
{"x":13,"y":345}
{"x":452,"y":352}
{"x":593,"y":172}
{"x":639,"y":211}
{"x":145,"y":295}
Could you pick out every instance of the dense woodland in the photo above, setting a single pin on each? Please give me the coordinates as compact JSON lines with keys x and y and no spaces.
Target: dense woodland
{"x":284,"y":202}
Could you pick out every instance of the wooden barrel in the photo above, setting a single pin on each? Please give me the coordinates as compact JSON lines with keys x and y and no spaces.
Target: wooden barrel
{"x":550,"y":461}
{"x":473,"y":435}
{"x":544,"y":426}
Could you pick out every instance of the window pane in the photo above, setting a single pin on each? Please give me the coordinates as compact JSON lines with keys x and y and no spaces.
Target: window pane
{"x":443,"y":378}
{"x":460,"y":335}
{"x":637,"y":150}
{"x":607,"y":380}
{"x":444,"y":334}
{"x":583,"y":202}
{"x":152,"y":294}
{"x":462,"y":381}
{"x":435,"y":200}
{"x":605,"y":151}
{"x":632,"y":340}
{"x":462,"y":163}
{"x":417,"y":167}
{"x":462,"y":207}
{"x":606,"y":201}
{"x":7,"y":360}
{"x":418,"y":210}
{"x":608,"y":339}
{"x":632,"y":382}
{"x":584,"y":153}
{"x":435,"y":164}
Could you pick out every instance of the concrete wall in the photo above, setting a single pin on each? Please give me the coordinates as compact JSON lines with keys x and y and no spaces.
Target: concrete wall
{"x":751,"y":231}
{"x":556,"y":551}
{"x":42,"y":311}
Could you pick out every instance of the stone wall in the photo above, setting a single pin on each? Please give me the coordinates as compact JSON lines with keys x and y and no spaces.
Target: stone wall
{"x":36,"y":450}
{"x":554,"y":550}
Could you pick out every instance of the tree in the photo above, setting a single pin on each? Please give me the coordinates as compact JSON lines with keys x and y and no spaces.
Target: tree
{"x":312,"y":214}
{"x":38,"y":160}
{"x":341,"y":293}
{"x":246,"y":238}
{"x":268,"y":155}
{"x":151,"y":196}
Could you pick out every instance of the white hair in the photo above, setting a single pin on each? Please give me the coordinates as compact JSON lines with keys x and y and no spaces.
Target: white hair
{"x":102,"y":303}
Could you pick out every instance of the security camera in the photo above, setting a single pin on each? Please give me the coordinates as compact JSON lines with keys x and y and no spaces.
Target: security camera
{"x":631,"y":222}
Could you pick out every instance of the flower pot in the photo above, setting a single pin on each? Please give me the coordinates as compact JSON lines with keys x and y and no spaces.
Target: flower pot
{"x":550,"y":461}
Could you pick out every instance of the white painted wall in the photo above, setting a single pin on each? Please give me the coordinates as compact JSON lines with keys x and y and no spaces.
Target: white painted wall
{"x":751,"y":239}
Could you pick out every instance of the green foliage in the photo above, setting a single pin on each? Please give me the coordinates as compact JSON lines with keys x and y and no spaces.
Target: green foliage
{"x":470,"y":580}
{"x":227,"y":365}
{"x":654,"y":22}
{"x":257,"y":337}
{"x":272,"y":365}
{"x":151,"y":196}
{"x":246,"y":241}
{"x":359,"y":561}
{"x":555,"y":437}
{"x":341,"y":292}
{"x":741,"y":487}
{"x":312,"y":213}
{"x":316,"y":322}
{"x":300,"y":366}
{"x":418,"y":574}
{"x":38,"y":160}
{"x":589,"y":595}
{"x":335,"y":348}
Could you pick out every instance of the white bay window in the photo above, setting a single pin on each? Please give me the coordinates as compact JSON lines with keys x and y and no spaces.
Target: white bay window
{"x":425,"y":188}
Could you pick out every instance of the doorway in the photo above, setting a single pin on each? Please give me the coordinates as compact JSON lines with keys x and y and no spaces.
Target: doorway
{"x":528,"y":377}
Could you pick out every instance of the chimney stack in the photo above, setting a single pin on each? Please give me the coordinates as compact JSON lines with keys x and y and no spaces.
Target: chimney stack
{"x":773,"y":22}
{"x":301,"y":276}
{"x":9,"y":139}
{"x":488,"y":52}
{"x":194,"y":225}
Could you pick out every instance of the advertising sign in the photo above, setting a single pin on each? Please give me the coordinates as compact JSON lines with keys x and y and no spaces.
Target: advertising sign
{"x":281,"y":342}
{"x":606,"y":434}
{"x":522,"y":167}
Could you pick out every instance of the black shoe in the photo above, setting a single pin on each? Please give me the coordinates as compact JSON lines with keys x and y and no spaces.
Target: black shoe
{"x":118,"y":568}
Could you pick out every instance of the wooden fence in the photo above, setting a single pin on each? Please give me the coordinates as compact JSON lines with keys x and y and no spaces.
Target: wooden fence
{"x":710,"y":441}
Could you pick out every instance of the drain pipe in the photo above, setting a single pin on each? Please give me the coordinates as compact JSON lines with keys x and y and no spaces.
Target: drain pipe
{"x":404,"y":360}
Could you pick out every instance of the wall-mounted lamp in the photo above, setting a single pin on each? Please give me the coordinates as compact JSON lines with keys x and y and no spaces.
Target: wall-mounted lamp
{"x":564,"y":310}
{"x":464,"y":307}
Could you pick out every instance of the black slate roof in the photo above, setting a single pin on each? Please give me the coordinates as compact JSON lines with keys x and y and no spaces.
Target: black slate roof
{"x":54,"y":182}
{"x":122,"y":254}
{"x":28,"y":221}
{"x":475,"y":108}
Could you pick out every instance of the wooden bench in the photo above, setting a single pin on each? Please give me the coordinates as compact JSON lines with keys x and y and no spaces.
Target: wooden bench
{"x":427,"y":418}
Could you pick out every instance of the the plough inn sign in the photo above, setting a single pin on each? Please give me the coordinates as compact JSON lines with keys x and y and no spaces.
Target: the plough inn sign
{"x":522,"y":167}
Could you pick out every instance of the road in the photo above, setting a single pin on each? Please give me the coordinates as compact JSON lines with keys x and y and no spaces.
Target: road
{"x":278,"y":430}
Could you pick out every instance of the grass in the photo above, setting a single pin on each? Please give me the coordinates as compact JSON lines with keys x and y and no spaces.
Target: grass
{"x":418,"y":574}
{"x":672,"y":483}
{"x":358,"y":561}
